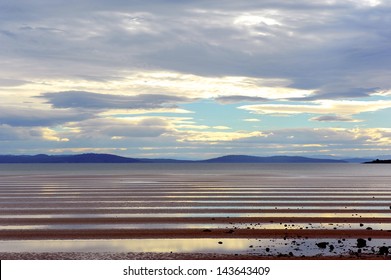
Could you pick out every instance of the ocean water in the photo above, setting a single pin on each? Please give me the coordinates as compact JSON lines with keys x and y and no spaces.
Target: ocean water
{"x":260,"y":209}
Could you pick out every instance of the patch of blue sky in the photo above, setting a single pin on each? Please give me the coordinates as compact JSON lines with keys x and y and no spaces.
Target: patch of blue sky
{"x":211,"y":113}
{"x":380,"y":119}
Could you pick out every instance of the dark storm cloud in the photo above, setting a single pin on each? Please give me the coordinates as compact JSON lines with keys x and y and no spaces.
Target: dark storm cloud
{"x":90,"y":100}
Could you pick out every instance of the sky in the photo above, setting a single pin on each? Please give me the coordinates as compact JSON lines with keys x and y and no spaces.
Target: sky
{"x":195,"y":79}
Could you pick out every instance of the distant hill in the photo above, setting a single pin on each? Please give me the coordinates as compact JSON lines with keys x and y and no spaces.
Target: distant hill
{"x":108,"y":158}
{"x":356,"y":160}
{"x":272,"y":159}
{"x":379,"y":161}
{"x":81,"y":158}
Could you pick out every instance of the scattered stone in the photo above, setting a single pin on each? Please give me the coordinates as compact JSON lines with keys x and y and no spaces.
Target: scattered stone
{"x":361,"y":243}
{"x":267,"y":249}
{"x":220,"y":242}
{"x":383,"y":250}
{"x":361,"y":225}
{"x":331,"y":248}
{"x":322,"y":245}
{"x":369,"y":228}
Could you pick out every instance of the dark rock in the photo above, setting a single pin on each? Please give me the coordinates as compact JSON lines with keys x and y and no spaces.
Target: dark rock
{"x":267,"y":249}
{"x":290,"y":254}
{"x":361,"y":225}
{"x":207,"y":230}
{"x":383,"y":250}
{"x":361,"y":243}
{"x":369,"y":228}
{"x":220,"y":242}
{"x":331,"y":248}
{"x":322,"y":245}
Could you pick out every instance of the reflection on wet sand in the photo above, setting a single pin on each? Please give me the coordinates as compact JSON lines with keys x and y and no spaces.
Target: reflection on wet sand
{"x":252,"y":210}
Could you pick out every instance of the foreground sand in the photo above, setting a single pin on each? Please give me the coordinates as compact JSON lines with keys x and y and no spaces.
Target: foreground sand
{"x":177,"y":256}
{"x":227,"y":204}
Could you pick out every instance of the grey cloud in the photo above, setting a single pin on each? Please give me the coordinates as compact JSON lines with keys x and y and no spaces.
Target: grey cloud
{"x":107,"y":128}
{"x":333,"y":118}
{"x":317,"y":43}
{"x":239,"y":98}
{"x":90,"y":100}
{"x":16,"y":116}
{"x":12,"y":82}
{"x":337,"y":92}
{"x":9,"y":133}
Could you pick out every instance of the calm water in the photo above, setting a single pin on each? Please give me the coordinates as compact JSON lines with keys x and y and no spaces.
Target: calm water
{"x":38,"y":202}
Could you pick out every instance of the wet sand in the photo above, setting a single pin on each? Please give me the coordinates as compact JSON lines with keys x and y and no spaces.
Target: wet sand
{"x":177,"y":256}
{"x":166,"y":205}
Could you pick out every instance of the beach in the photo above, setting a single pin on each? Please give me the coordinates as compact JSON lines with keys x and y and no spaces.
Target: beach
{"x":131,"y":211}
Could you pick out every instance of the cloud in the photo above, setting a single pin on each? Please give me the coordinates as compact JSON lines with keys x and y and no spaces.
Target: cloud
{"x":9,"y":134}
{"x":119,"y":128}
{"x":334,"y":118}
{"x":339,"y":107}
{"x":330,"y":59}
{"x":252,"y":120}
{"x":239,"y":98}
{"x":25,"y":116}
{"x":90,"y":100}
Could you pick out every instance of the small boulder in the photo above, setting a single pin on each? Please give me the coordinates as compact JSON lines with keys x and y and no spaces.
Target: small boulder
{"x":322,"y":245}
{"x":383,"y":250}
{"x":361,"y":243}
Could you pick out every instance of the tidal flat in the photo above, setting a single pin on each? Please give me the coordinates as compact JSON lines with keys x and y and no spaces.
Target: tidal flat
{"x":195,"y":211}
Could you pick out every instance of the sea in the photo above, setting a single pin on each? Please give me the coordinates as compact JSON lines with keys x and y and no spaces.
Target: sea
{"x":252,"y":209}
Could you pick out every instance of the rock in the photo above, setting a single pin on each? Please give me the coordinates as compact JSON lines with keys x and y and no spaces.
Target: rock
{"x":361,"y":243}
{"x":361,"y":225}
{"x":322,"y":245}
{"x":369,"y":228}
{"x":331,"y":248}
{"x":220,"y":242}
{"x":267,"y":250}
{"x":384,"y":250}
{"x":207,"y":230}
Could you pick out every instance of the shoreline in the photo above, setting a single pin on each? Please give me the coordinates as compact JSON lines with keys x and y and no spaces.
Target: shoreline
{"x":177,"y":256}
{"x":189,"y":233}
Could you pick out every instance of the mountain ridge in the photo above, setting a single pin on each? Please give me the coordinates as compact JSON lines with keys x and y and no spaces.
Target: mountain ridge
{"x":110,"y":158}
